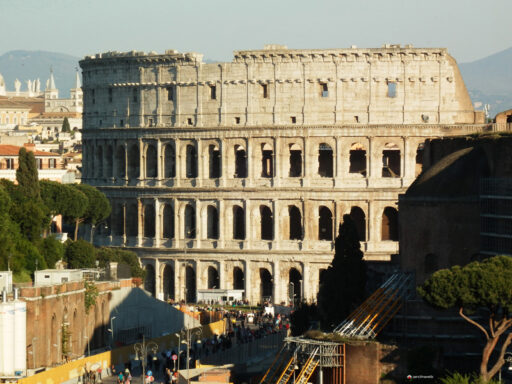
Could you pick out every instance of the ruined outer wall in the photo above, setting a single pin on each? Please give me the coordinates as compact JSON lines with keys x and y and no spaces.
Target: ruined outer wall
{"x":134,"y":87}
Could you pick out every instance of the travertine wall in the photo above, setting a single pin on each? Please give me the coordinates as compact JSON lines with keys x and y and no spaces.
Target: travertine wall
{"x":320,"y":133}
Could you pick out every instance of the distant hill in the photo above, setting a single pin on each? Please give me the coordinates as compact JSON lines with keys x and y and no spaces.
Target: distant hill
{"x":30,"y":65}
{"x":489,"y":80}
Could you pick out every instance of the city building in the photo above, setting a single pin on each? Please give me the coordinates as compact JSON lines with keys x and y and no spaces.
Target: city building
{"x":236,"y":175}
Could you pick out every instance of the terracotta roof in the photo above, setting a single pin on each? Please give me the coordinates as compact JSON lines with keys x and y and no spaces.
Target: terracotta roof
{"x":36,"y":104}
{"x":6,"y":103}
{"x":13,"y":150}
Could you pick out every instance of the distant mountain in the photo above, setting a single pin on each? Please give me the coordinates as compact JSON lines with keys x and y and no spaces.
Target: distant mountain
{"x":30,"y":65}
{"x":489,"y":80}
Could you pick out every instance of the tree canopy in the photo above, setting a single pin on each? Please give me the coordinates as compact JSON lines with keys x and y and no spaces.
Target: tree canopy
{"x":105,"y":255}
{"x":80,"y":254}
{"x":342,"y":287}
{"x":486,"y":284}
{"x":97,"y":209}
{"x":65,"y":125}
{"x":26,"y":174}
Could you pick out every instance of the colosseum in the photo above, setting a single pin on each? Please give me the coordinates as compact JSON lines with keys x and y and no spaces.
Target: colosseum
{"x":236,"y":175}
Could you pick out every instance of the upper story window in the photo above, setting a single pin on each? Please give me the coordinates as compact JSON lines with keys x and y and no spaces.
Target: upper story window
{"x":39,"y":163}
{"x":9,"y":163}
{"x":264,"y":88}
{"x":52,"y":163}
{"x":110,"y":95}
{"x":213,"y":92}
{"x":93,"y":95}
{"x":135,"y":95}
{"x":391,"y":89}
{"x":324,"y":90}
{"x":170,"y":93}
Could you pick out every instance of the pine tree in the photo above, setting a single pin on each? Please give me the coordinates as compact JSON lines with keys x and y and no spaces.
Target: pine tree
{"x":27,"y":176}
{"x":342,"y":288}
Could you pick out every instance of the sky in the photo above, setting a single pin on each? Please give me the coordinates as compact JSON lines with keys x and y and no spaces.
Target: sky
{"x":470,"y":29}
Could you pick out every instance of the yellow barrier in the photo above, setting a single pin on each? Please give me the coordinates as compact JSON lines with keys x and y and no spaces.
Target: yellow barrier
{"x":118,"y":357}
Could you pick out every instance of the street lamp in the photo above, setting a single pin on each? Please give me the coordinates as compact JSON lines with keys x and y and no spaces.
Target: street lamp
{"x":141,"y":351}
{"x":188,"y":334}
{"x":508,"y":359}
{"x":111,"y":330}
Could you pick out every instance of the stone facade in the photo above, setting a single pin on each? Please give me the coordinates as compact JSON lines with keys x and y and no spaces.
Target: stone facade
{"x":236,"y":175}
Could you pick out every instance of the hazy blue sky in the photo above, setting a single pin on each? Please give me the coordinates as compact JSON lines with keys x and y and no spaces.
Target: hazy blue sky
{"x":470,"y":29}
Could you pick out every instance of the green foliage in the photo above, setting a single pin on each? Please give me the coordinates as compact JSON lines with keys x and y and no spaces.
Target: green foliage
{"x":65,"y":125}
{"x":32,"y":216}
{"x":106,"y":254}
{"x":61,"y":199}
{"x":52,"y":250}
{"x":66,"y":337}
{"x":21,"y":277}
{"x":90,"y":295}
{"x":80,"y":254}
{"x":98,"y":206}
{"x":302,"y":318}
{"x":343,"y":285}
{"x":26,"y":175}
{"x":458,"y":378}
{"x":479,"y":284}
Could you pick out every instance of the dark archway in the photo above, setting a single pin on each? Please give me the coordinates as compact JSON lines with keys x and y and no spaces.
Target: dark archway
{"x":168,"y":222}
{"x":190,"y":222}
{"x":169,"y":161}
{"x":357,"y":159}
{"x":266,"y":222}
{"x":212,"y":222}
{"x":118,"y":220}
{"x":389,"y":224}
{"x":149,"y":220}
{"x":238,"y":223}
{"x":149,"y":280}
{"x":120,"y":162}
{"x":295,"y":286}
{"x":391,"y":161}
{"x":238,"y":278}
{"x":295,"y":161}
{"x":325,"y":160}
{"x":324,"y":223}
{"x":295,"y":223}
{"x":190,"y":285}
{"x":358,"y":217}
{"x":133,"y":162}
{"x":240,"y":162}
{"x":132,"y":222}
{"x":191,"y":162}
{"x":266,"y":284}
{"x":109,"y":158}
{"x":213,"y":278}
{"x":99,"y":162}
{"x":214,"y":162}
{"x":168,"y":283}
{"x":151,"y":161}
{"x":419,"y":159}
{"x":267,"y":161}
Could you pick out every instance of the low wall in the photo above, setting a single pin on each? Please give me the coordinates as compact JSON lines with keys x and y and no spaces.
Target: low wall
{"x":70,"y":372}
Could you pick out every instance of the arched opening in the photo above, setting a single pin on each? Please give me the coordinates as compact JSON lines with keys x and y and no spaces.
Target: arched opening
{"x":190,"y":222}
{"x":190,"y":285}
{"x":169,"y":161}
{"x":99,"y":162}
{"x":357,"y":159}
{"x":149,"y":220}
{"x":295,"y":223}
{"x":109,"y":158}
{"x":212,"y":223}
{"x":391,"y":160}
{"x":267,"y":161}
{"x":430,"y":264}
{"x":214,"y":162}
{"x":133,"y":162}
{"x":168,"y":222}
{"x":168,"y":283}
{"x":266,"y":285}
{"x":240,"y":162}
{"x":419,"y":159}
{"x":295,"y":161}
{"x":359,"y":218}
{"x":238,"y":223}
{"x":120,"y":162}
{"x":295,"y":286}
{"x":324,"y":223}
{"x":118,"y":220}
{"x":213,"y":278}
{"x":238,"y":278}
{"x":151,"y":162}
{"x":266,"y":222}
{"x":325,"y":160}
{"x":191,"y":162}
{"x":132,"y":228}
{"x":389,"y":224}
{"x":149,"y":280}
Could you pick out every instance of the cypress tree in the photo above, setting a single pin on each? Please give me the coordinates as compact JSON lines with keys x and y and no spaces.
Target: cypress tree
{"x":65,"y":125}
{"x":27,"y":176}
{"x":343,"y":284}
